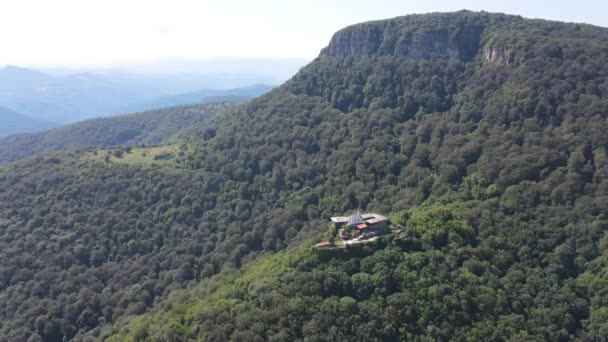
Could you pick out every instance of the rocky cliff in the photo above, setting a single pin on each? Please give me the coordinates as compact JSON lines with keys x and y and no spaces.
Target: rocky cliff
{"x":461,"y":36}
{"x":376,"y":40}
{"x":497,"y":55}
{"x":415,"y":37}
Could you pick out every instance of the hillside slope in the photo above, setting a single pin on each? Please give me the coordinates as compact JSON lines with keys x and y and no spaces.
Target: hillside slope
{"x":148,"y":128}
{"x":483,"y":134}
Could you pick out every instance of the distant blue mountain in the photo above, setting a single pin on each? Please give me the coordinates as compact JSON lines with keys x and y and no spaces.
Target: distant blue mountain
{"x":63,"y":96}
{"x":14,"y":79}
{"x":63,"y":99}
{"x":12,"y":122}
{"x":207,"y":96}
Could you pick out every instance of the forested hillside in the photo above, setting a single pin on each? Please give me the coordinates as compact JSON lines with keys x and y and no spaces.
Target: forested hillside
{"x":148,"y":128}
{"x":483,"y":134}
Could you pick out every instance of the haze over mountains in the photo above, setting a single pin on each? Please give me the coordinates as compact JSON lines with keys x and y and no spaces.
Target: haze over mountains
{"x":12,"y":122}
{"x":60,"y":96}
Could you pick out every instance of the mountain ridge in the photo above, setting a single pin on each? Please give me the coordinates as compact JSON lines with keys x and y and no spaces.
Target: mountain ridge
{"x":436,"y":35}
{"x":178,"y":111}
{"x":150,"y":127}
{"x":386,"y":37}
{"x":209,"y":96}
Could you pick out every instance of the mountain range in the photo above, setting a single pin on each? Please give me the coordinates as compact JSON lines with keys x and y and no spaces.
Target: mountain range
{"x":206,"y":96}
{"x":63,"y":96}
{"x":481,"y":136}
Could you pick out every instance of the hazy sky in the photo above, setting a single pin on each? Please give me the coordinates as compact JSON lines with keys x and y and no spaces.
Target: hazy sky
{"x":88,"y":32}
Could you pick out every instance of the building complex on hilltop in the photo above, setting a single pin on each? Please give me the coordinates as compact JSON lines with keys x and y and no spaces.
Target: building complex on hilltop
{"x":359,"y":226}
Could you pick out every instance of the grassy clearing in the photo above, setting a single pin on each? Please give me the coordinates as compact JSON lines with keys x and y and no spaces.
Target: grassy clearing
{"x":148,"y":156}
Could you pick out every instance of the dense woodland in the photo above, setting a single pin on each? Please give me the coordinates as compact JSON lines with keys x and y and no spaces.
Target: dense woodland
{"x":146,"y":128}
{"x":493,"y":158}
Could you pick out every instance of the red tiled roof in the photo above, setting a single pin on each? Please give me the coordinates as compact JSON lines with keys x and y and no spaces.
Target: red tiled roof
{"x":362,"y":226}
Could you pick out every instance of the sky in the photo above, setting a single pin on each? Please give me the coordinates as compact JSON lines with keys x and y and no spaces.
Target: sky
{"x":102,"y":32}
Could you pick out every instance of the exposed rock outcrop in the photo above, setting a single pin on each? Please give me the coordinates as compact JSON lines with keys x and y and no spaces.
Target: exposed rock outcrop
{"x":385,"y":40}
{"x":497,"y":55}
{"x":415,"y":37}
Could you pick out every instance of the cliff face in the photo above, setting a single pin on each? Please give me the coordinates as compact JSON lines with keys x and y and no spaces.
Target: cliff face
{"x":497,"y":55}
{"x":463,"y":36}
{"x":371,"y":39}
